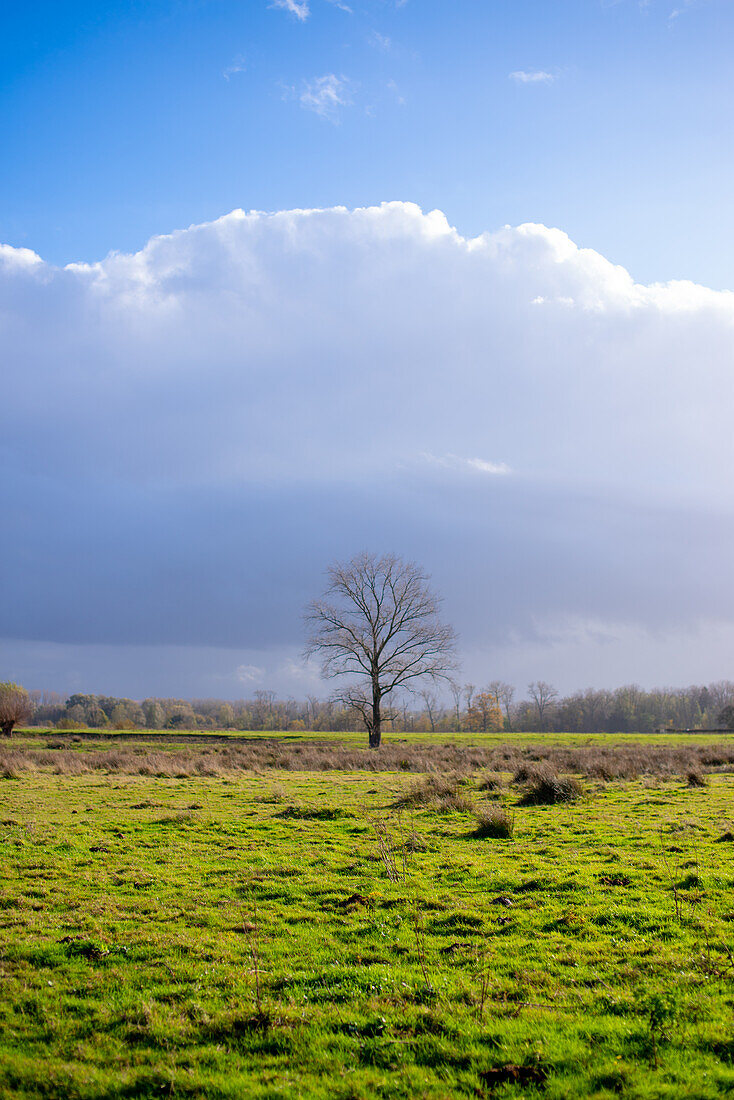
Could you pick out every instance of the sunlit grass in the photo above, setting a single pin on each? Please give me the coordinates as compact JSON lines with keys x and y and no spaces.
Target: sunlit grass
{"x":589,"y":952}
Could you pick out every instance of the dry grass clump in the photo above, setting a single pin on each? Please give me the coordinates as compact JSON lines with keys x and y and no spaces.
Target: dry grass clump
{"x":543,"y":786}
{"x":440,"y":793}
{"x":14,"y":763}
{"x":490,"y":781}
{"x":494,"y":822}
{"x":10,"y":766}
{"x":696,"y":778}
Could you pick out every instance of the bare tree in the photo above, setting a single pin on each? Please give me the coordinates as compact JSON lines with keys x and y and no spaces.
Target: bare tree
{"x":15,"y":707}
{"x":504,"y":694}
{"x":543,"y":695}
{"x":264,"y":703}
{"x":431,"y":704}
{"x":379,"y":621}
{"x":312,"y":709}
{"x":469,"y":690}
{"x":456,"y":693}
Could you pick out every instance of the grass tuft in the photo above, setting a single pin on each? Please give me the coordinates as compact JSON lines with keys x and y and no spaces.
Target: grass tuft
{"x":440,"y":793}
{"x":544,"y":787}
{"x":494,"y":822}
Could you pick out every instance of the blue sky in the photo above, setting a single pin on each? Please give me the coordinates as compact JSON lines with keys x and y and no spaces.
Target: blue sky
{"x":124,"y":120}
{"x":488,"y":324}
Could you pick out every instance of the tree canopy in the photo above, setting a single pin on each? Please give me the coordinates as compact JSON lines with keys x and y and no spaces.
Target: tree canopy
{"x":378,"y":625}
{"x":15,"y":706}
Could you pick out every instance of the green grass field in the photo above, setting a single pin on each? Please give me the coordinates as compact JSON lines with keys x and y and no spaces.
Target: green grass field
{"x":291,"y":933}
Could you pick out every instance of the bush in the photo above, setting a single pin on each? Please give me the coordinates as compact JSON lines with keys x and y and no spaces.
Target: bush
{"x":696,"y":779}
{"x":544,"y":787}
{"x":495,"y":822}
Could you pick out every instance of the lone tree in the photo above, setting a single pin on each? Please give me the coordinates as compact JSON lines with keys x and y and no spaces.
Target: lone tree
{"x":15,"y":707}
{"x":379,"y":621}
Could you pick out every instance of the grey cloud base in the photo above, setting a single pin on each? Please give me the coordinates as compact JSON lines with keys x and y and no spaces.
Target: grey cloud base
{"x":190,"y":434}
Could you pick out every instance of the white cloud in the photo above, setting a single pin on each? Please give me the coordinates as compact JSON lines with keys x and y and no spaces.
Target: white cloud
{"x":301,"y":672}
{"x":473,"y":465}
{"x":268,"y":311}
{"x":380,"y":41}
{"x":249,"y":674}
{"x":534,"y":76}
{"x":342,"y":6}
{"x":684,"y":7}
{"x":17,"y":257}
{"x":237,"y":66}
{"x":205,"y":423}
{"x":396,"y":93}
{"x":299,"y":8}
{"x":326,"y":95}
{"x":485,"y":467}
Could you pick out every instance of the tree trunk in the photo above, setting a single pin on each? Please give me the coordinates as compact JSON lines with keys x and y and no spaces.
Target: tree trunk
{"x":376,"y":728}
{"x":6,"y":728}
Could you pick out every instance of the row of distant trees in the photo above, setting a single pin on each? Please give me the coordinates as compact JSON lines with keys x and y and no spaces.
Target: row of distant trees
{"x":465,"y":707}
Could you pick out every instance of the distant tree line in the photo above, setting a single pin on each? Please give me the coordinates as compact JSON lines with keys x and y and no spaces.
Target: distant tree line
{"x":493,"y":707}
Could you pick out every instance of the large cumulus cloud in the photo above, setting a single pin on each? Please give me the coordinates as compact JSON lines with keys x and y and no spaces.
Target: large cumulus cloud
{"x":190,"y":433}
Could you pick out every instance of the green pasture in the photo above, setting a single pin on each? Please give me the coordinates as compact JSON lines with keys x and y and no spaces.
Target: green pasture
{"x":294,"y":934}
{"x":357,"y":739}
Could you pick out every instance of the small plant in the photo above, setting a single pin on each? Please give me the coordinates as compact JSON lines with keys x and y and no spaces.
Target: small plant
{"x":252,"y":930}
{"x":77,"y":947}
{"x":716,"y":959}
{"x":494,"y":822}
{"x":544,"y":787}
{"x":678,"y":898}
{"x":419,"y":933}
{"x":483,"y":976}
{"x":393,"y":850}
{"x":660,"y":1011}
{"x":696,"y":778}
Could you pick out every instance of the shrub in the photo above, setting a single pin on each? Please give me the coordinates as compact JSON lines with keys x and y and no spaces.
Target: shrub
{"x":495,"y":822}
{"x":696,"y":779}
{"x":544,"y":787}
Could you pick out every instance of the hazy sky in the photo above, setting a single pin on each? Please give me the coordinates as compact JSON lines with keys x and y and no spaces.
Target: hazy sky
{"x":195,"y":421}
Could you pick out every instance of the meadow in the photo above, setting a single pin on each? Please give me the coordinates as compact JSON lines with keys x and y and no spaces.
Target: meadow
{"x":477,"y":915}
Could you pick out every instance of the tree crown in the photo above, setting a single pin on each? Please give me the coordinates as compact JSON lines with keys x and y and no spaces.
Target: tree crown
{"x":379,"y":619}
